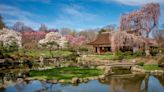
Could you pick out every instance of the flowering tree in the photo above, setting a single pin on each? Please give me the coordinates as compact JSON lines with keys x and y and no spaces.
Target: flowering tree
{"x":122,"y":39}
{"x":53,"y":40}
{"x":76,"y":41}
{"x":143,"y":21}
{"x":30,"y":38}
{"x":10,"y":38}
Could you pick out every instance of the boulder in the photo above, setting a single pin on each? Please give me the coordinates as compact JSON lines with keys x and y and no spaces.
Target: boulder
{"x":108,"y":71}
{"x":54,"y":81}
{"x":75,"y":80}
{"x":61,"y":81}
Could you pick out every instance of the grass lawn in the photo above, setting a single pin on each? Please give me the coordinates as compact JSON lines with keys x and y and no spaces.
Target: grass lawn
{"x":66,"y":73}
{"x":105,"y":56}
{"x":112,"y":57}
{"x":151,"y":67}
{"x":46,"y":53}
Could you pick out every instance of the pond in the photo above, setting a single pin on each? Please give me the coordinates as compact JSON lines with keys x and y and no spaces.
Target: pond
{"x":114,"y":83}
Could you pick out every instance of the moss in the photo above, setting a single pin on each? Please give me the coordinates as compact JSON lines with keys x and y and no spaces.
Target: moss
{"x":66,"y":73}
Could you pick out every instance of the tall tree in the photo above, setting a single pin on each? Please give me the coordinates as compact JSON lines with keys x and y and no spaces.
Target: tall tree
{"x":65,"y":31}
{"x":43,"y":28}
{"x":2,"y":24}
{"x":143,"y":21}
{"x":21,"y":27}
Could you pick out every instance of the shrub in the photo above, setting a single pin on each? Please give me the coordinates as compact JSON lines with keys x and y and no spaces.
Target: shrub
{"x":119,"y":55}
{"x":140,"y":63}
{"x":82,"y":49}
{"x":139,"y":53}
{"x":153,"y":52}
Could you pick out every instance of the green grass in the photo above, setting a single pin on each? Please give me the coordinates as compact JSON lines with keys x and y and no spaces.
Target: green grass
{"x":46,"y":53}
{"x":66,"y":73}
{"x":105,"y":56}
{"x":112,"y":57}
{"x":151,"y":67}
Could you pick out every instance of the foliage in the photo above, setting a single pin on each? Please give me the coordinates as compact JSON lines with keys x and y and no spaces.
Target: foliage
{"x":139,"y":53}
{"x":66,"y":73}
{"x":83,"y":49}
{"x":141,"y":63}
{"x":119,"y":55}
{"x":154,"y":52}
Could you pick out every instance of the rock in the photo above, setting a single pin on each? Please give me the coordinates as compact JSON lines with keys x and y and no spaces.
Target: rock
{"x":108,"y":71}
{"x":101,"y":67}
{"x":91,"y":78}
{"x":61,"y":81}
{"x":75,"y":80}
{"x":81,"y":80}
{"x":85,"y":80}
{"x":54,"y":81}
{"x":101,"y":76}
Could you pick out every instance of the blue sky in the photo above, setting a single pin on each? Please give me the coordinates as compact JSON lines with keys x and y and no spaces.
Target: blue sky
{"x":76,"y":14}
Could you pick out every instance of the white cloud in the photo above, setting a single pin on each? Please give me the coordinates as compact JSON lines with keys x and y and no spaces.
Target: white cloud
{"x":15,"y":14}
{"x":138,"y":2}
{"x":131,"y":2}
{"x":75,"y":15}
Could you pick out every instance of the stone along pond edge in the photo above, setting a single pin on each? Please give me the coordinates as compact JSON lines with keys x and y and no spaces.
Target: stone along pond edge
{"x":72,"y":75}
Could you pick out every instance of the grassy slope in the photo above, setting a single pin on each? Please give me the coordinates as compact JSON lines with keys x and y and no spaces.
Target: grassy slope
{"x":66,"y":73}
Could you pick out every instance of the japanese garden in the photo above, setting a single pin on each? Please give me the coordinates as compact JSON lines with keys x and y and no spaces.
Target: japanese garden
{"x":127,"y":57}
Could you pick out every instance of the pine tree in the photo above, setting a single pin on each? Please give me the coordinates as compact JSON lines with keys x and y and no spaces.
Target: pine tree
{"x":2,"y":25}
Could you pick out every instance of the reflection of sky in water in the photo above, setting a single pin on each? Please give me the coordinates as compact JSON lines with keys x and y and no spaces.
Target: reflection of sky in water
{"x":91,"y":86}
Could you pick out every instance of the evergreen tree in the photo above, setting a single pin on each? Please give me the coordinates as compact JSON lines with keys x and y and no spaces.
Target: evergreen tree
{"x":2,"y":25}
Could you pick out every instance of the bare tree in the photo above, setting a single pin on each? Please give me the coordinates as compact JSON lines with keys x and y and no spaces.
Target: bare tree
{"x":43,"y":28}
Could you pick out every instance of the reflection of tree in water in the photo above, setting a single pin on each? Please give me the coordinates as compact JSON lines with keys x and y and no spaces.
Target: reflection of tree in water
{"x":127,"y":84}
{"x":161,"y":79}
{"x":8,"y":77}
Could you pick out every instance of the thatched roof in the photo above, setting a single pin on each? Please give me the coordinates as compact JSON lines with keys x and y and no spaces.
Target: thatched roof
{"x":102,"y":39}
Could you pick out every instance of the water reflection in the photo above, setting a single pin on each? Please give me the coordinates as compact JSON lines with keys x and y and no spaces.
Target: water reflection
{"x":137,"y":83}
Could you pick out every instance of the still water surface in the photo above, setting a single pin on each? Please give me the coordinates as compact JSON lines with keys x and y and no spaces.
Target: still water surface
{"x":110,"y":84}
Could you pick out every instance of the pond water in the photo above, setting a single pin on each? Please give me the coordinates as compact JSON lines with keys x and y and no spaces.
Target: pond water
{"x":109,"y":84}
